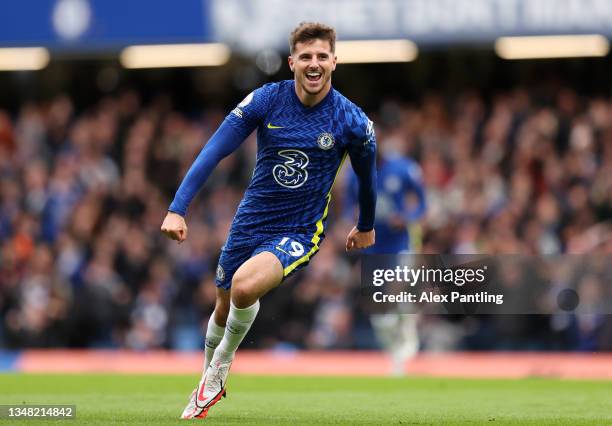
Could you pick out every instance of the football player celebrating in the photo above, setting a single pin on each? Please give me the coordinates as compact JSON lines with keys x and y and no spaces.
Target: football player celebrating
{"x":305,"y":130}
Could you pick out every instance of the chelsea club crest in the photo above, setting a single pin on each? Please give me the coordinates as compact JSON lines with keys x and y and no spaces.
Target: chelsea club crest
{"x":220,"y":273}
{"x":325,"y":141}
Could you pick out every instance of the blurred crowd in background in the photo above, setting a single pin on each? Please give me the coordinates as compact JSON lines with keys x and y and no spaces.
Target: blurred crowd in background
{"x":83,"y":193}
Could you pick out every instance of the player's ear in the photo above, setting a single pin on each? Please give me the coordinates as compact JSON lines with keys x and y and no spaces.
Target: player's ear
{"x":290,"y":60}
{"x":334,"y":62}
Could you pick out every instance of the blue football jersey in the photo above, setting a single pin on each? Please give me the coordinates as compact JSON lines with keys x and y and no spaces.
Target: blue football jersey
{"x":397,"y":177}
{"x":299,"y":153}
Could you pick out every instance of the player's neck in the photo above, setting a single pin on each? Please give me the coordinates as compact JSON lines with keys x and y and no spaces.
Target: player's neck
{"x":310,"y":100}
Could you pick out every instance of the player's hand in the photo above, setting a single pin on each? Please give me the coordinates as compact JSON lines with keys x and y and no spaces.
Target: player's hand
{"x":174,"y":227}
{"x":359,"y":240}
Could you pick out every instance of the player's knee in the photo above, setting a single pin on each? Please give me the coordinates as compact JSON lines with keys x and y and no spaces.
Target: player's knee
{"x":243,"y":292}
{"x":243,"y":297}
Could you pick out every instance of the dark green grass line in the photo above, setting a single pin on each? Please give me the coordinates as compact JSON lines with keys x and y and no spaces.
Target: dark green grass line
{"x":153,"y":399}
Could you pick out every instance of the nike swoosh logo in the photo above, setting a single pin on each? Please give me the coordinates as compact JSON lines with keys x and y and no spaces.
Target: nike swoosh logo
{"x":280,"y":249}
{"x":214,"y":400}
{"x":271,"y":126}
{"x":201,"y":393}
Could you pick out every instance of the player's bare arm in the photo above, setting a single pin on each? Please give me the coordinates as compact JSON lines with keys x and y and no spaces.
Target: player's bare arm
{"x":174,"y":227}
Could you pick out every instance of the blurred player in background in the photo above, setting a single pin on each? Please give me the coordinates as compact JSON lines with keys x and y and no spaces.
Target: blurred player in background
{"x":401,"y":203}
{"x":305,"y":129}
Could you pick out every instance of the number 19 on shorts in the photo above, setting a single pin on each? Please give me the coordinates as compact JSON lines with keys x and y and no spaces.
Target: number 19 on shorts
{"x":294,"y":248}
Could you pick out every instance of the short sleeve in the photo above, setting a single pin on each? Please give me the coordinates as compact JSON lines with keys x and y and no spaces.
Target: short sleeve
{"x":249,"y":113}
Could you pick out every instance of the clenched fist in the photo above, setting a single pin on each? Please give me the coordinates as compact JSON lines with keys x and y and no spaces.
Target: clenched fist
{"x":359,"y":240}
{"x":174,"y":227}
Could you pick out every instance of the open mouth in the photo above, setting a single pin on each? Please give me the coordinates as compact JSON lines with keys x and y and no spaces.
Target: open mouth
{"x":313,"y":76}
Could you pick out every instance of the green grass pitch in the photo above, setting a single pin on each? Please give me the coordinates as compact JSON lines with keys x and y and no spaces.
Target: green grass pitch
{"x":128,"y":399}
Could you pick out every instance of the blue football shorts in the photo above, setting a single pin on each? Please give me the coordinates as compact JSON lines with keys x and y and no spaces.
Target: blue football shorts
{"x":294,"y":250}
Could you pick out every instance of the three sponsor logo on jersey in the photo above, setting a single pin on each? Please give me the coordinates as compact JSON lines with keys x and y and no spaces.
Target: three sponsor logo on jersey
{"x":292,"y":172}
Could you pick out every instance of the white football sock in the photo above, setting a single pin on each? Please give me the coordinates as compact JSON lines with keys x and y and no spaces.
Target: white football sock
{"x":214,"y":334}
{"x":239,"y":322}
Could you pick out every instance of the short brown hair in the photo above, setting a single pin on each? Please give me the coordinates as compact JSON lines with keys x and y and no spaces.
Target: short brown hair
{"x":308,"y":31}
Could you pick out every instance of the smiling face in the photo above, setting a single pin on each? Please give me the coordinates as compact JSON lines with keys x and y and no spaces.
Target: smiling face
{"x":312,"y":63}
